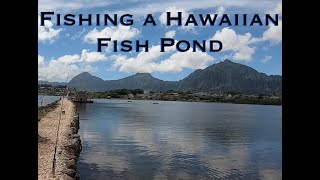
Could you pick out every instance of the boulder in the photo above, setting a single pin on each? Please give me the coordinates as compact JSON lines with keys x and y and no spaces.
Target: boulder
{"x":66,"y":177}
{"x":71,"y":164}
{"x":69,"y":172}
{"x":75,"y":136}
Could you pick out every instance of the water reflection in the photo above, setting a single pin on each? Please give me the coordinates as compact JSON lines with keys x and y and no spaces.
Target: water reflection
{"x":177,"y":140}
{"x":44,"y":100}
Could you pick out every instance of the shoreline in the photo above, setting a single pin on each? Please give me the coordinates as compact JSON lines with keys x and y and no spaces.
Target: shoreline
{"x":201,"y":101}
{"x":43,"y":110}
{"x":68,"y":143}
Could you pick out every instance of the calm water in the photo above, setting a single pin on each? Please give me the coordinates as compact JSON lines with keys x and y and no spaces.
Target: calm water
{"x":179,"y":140}
{"x":47,"y":99}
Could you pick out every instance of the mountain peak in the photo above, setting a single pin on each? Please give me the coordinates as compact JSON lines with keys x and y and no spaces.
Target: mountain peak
{"x":227,"y":61}
{"x":84,"y":74}
{"x":143,"y":74}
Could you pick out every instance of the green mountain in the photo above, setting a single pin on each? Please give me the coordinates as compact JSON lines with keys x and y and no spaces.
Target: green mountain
{"x":85,"y":81}
{"x":224,"y":76}
{"x":230,"y":76}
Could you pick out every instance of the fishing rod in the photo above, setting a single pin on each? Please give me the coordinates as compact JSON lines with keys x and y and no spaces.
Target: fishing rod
{"x":56,"y":143}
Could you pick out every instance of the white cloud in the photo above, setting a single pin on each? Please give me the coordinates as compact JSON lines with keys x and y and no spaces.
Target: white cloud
{"x":78,"y":34}
{"x":170,"y":34}
{"x":277,"y":9}
{"x":40,"y":60}
{"x":115,"y":33}
{"x":146,"y":61}
{"x":47,"y":32}
{"x":57,"y":69}
{"x":71,"y":5}
{"x":273,"y":33}
{"x":243,"y":46}
{"x":238,"y":44}
{"x":143,"y":62}
{"x":188,"y":5}
{"x":266,"y":59}
{"x":179,"y":60}
{"x":220,"y":10}
{"x":174,"y":13}
{"x":92,"y":56}
{"x":67,"y":59}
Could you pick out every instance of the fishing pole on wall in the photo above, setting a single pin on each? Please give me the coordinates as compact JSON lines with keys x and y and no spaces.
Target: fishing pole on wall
{"x":57,"y":137}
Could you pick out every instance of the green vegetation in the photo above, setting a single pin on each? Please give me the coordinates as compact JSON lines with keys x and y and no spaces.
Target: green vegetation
{"x":173,"y":95}
{"x":250,"y":100}
{"x":117,"y":93}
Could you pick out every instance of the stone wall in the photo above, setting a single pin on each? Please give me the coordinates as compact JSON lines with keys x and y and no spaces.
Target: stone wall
{"x":71,"y":151}
{"x":42,"y":110}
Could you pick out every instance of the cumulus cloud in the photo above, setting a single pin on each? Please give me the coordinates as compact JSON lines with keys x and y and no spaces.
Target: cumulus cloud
{"x":115,"y":33}
{"x":170,"y":34}
{"x":242,"y":46}
{"x":220,"y":10}
{"x":92,"y":56}
{"x":57,"y":69}
{"x":179,"y":60}
{"x":189,"y":5}
{"x":71,"y":5}
{"x":277,"y":9}
{"x":47,"y":32}
{"x":67,"y":59}
{"x":273,"y":33}
{"x":237,"y":43}
{"x":147,"y":61}
{"x":143,"y":62}
{"x":40,"y":60}
{"x":174,"y":13}
{"x":266,"y":59}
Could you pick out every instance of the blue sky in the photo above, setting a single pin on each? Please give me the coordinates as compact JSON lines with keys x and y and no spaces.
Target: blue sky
{"x":62,"y":48}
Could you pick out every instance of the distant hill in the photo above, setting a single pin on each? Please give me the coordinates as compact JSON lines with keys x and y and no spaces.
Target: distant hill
{"x":224,"y":76}
{"x":145,"y":81}
{"x":52,"y":83}
{"x":86,"y":81}
{"x":230,"y":76}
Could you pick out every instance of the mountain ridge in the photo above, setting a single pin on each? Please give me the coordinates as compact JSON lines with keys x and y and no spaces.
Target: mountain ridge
{"x":223,"y":76}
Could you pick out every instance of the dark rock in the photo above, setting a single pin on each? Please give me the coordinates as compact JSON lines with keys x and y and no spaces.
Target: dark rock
{"x":66,"y":177}
{"x":71,"y":164}
{"x":77,"y":176}
{"x":75,"y":142}
{"x":70,"y":150}
{"x":74,"y":147}
{"x":74,"y":124}
{"x":69,"y":172}
{"x":75,"y":136}
{"x":71,"y":156}
{"x":74,"y":130}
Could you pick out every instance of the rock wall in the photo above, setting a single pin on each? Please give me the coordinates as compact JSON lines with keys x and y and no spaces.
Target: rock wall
{"x":71,"y":151}
{"x":42,"y":110}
